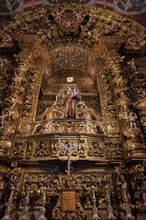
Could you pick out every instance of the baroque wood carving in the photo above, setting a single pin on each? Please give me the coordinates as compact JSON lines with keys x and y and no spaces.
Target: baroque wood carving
{"x":72,"y":138}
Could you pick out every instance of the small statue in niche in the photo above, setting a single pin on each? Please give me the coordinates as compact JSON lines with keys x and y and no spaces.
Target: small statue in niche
{"x":84,"y":112}
{"x":81,"y":110}
{"x":70,"y":98}
{"x":42,"y":145}
{"x":91,"y":128}
{"x":56,"y":111}
{"x":82,"y":126}
{"x":82,"y":148}
{"x":41,"y":149}
{"x":56,"y":126}
{"x":124,"y":188}
{"x":132,"y":64}
{"x":131,"y":116}
{"x":98,"y":149}
{"x":54,"y":148}
{"x":2,"y":65}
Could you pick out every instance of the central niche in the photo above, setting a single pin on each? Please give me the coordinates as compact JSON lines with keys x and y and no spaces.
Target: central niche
{"x":68,"y":91}
{"x":59,"y":98}
{"x":68,"y":113}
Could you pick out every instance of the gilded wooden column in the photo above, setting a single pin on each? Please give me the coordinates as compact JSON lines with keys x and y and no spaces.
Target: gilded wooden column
{"x":14,"y":102}
{"x":133,"y":138}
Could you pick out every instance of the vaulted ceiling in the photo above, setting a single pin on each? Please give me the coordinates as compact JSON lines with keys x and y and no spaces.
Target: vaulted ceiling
{"x":136,"y":10}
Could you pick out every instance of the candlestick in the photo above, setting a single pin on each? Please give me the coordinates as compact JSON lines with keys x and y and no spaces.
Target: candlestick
{"x":95,"y":209}
{"x":7,"y":215}
{"x":110,"y":209}
{"x":127,"y":207}
{"x":43,"y":209}
{"x":26,"y":206}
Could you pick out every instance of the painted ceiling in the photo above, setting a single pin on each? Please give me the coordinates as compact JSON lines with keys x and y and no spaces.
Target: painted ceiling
{"x":134,"y":9}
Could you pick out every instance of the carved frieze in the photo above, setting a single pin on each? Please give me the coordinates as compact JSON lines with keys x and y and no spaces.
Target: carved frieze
{"x":76,"y":23}
{"x":68,"y":126}
{"x":53,"y":148}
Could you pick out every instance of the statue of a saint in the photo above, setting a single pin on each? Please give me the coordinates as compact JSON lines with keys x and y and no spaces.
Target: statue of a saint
{"x":70,"y":97}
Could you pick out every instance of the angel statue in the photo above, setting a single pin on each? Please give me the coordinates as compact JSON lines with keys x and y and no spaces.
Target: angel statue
{"x":131,"y":116}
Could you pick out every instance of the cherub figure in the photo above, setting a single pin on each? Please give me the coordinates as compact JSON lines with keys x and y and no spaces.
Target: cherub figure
{"x":2,"y":64}
{"x":7,"y":38}
{"x":132,"y":119}
{"x":133,"y":65}
{"x":3,"y":116}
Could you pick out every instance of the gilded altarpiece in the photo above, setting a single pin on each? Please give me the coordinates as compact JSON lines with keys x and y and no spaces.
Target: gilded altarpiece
{"x":72,"y":140}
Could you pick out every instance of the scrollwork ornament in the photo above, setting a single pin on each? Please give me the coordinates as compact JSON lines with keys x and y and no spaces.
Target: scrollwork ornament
{"x":128,"y":118}
{"x":32,"y":93}
{"x":108,"y":109}
{"x":138,"y":184}
{"x":13,"y":101}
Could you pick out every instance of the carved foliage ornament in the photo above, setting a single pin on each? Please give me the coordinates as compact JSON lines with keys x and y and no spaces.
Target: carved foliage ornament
{"x":53,"y":148}
{"x":14,"y":100}
{"x":128,"y":118}
{"x":57,"y":183}
{"x":133,"y":180}
{"x":78,"y":23}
